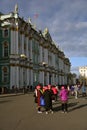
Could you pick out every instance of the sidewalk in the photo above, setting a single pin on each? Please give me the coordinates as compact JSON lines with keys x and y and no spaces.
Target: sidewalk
{"x":10,"y":94}
{"x":13,"y":94}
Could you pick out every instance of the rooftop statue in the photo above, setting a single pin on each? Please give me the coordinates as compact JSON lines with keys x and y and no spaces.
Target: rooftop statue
{"x":16,"y":8}
{"x":29,"y":20}
{"x":46,"y":34}
{"x":45,"y":31}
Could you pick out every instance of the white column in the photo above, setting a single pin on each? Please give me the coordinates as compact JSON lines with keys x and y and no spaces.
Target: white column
{"x":21,"y":76}
{"x":30,"y":49}
{"x":57,"y":81}
{"x":52,"y":78}
{"x":27,"y":51}
{"x":47,"y":78}
{"x":11,"y":76}
{"x":31,"y":77}
{"x":46,"y":56}
{"x":22,"y":42}
{"x":41,"y":77}
{"x":28,"y":77}
{"x":53,"y":60}
{"x":25,"y":76}
{"x":12,"y":42}
{"x":16,"y":42}
{"x":17,"y":77}
{"x":40,"y":54}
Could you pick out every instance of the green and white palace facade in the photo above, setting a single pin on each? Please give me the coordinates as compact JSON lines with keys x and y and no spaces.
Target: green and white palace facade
{"x":29,"y":56}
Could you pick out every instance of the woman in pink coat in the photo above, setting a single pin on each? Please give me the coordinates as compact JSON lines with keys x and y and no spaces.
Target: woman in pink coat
{"x":64,"y":98}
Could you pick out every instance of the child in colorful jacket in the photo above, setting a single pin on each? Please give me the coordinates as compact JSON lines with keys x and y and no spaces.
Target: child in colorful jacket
{"x":64,"y":98}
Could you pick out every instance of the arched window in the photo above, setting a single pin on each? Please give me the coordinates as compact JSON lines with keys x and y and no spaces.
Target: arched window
{"x":5,"y":49}
{"x":5,"y":74}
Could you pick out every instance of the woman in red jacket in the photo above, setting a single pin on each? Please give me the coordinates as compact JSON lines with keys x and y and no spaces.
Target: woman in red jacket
{"x":39,"y":94}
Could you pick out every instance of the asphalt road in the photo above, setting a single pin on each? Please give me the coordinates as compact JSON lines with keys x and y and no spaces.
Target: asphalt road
{"x":20,"y":113}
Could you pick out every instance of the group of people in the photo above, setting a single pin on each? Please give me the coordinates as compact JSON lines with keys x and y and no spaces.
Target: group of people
{"x":48,"y":94}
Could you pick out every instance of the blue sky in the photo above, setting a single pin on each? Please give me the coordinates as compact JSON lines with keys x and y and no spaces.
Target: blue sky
{"x":65,"y":19}
{"x":76,"y":62}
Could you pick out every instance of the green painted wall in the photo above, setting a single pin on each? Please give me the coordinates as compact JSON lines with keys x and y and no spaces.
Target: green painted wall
{"x":4,"y":61}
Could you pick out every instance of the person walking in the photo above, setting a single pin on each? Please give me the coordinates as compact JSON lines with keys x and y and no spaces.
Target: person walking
{"x":83,"y":90}
{"x":48,"y":99}
{"x":64,"y":99}
{"x":76,"y":91}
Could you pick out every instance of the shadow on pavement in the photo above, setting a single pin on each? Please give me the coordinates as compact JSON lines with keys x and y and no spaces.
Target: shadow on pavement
{"x":58,"y":108}
{"x":78,"y":107}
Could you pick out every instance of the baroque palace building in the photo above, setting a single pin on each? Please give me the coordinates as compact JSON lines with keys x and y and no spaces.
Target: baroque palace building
{"x":29,"y":56}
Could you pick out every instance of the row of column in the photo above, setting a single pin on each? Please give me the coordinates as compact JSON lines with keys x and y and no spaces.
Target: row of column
{"x":21,"y":76}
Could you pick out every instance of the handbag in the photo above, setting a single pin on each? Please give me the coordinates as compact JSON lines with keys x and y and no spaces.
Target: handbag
{"x":42,"y":102}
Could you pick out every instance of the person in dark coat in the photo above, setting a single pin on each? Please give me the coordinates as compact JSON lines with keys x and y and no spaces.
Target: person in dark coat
{"x":48,"y":99}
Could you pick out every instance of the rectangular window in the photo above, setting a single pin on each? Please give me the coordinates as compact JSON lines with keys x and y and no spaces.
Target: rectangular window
{"x":5,"y":49}
{"x":5,"y":74}
{"x":5,"y":32}
{"x":5,"y":78}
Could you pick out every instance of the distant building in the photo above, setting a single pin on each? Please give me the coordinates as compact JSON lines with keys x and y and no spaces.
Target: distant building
{"x":83,"y":71}
{"x":29,"y":56}
{"x":83,"y":74}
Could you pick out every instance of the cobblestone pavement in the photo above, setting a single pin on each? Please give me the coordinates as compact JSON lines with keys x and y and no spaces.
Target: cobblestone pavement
{"x":19,"y":112}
